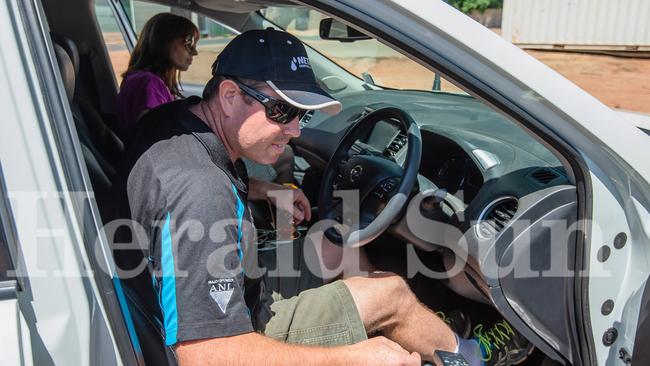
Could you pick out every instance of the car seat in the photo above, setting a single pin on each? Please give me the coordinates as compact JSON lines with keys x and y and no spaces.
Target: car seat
{"x":141,"y":302}
{"x":103,"y":138}
{"x":99,"y":169}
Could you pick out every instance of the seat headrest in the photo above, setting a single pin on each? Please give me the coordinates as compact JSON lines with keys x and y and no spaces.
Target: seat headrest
{"x":67,"y":70}
{"x":70,"y":48}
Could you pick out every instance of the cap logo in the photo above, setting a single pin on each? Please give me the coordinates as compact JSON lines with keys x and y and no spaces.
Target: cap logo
{"x":301,"y":61}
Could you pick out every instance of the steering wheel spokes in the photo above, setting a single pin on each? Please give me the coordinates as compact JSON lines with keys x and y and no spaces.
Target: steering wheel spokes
{"x":381,"y":185}
{"x":385,"y":188}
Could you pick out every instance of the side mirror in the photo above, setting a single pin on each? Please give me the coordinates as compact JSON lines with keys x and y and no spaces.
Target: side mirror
{"x":334,"y":30}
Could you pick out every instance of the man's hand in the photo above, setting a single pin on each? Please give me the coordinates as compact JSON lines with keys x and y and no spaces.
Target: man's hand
{"x":381,"y":351}
{"x":286,"y":199}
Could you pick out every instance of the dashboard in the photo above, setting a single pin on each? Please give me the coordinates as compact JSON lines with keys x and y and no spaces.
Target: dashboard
{"x":384,"y":136}
{"x":508,"y":192}
{"x":444,"y":162}
{"x":469,"y":150}
{"x":493,"y":169}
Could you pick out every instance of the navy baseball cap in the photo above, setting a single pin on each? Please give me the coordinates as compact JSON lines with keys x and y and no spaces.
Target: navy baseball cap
{"x":280,"y":60}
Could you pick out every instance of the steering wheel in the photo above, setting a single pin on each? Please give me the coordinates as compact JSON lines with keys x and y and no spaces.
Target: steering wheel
{"x":383,"y":186}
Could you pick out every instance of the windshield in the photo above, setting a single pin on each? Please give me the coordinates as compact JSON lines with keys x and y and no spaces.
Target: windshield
{"x":368,"y":60}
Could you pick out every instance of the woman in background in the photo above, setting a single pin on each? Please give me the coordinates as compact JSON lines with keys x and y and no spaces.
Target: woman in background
{"x":165,"y":47}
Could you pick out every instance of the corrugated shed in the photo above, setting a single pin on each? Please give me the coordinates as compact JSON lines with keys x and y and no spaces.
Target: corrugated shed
{"x":622,"y":25}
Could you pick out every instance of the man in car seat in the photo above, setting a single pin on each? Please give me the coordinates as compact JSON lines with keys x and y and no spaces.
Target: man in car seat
{"x":183,"y":181}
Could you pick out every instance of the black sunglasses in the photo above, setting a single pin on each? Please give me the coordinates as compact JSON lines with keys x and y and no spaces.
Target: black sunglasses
{"x":277,"y":111}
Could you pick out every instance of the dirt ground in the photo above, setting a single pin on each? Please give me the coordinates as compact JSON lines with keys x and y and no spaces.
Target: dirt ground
{"x":619,"y":82}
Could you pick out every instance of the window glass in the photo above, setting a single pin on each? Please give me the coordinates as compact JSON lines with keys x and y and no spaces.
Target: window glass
{"x":214,"y":36}
{"x":359,"y":57}
{"x":117,"y":50}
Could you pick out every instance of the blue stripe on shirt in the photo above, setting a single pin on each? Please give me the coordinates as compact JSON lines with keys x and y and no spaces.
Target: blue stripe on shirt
{"x":240,"y":219}
{"x":170,"y":311}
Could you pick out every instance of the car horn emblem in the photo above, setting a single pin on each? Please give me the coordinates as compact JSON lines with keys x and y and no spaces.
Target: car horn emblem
{"x":355,"y":173}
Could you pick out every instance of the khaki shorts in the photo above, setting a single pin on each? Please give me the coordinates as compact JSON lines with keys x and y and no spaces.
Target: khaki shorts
{"x":305,"y":310}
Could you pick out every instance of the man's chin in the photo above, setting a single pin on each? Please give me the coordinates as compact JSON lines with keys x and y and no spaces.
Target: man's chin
{"x":266,"y":160}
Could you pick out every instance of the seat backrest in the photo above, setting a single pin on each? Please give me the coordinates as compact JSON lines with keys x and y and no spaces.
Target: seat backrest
{"x":105,"y":141}
{"x":98,"y":169}
{"x":69,"y":47}
{"x":140,"y":298}
{"x":66,"y":68}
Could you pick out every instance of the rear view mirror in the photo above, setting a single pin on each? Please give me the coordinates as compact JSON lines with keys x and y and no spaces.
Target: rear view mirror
{"x":334,"y":30}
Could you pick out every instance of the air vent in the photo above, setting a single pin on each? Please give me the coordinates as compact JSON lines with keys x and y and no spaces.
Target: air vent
{"x":544,"y":175}
{"x":496,"y":216}
{"x":356,"y":148}
{"x":396,"y":145}
{"x":356,"y":117}
{"x":306,"y":118}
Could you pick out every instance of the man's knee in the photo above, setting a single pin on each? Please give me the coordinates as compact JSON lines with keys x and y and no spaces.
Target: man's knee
{"x":379,"y":285}
{"x":379,"y":298}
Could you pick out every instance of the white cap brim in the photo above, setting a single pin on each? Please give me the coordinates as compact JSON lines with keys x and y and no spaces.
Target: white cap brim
{"x":307,"y":96}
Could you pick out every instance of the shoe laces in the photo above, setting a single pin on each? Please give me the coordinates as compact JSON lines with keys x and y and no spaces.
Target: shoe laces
{"x":444,"y":318}
{"x":492,"y":339}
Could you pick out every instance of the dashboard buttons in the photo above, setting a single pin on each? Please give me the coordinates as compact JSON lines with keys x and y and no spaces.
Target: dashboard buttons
{"x":396,"y":145}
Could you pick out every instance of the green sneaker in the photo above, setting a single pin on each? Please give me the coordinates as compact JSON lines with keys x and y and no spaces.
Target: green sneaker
{"x":501,"y":345}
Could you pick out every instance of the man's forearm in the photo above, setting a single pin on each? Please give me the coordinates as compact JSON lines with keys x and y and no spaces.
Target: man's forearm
{"x":256,"y":349}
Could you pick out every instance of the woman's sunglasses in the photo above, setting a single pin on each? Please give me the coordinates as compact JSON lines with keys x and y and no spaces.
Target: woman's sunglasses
{"x":188,"y":42}
{"x":277,"y":111}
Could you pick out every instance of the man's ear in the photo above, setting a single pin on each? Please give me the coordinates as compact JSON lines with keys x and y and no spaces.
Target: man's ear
{"x":228,"y":92}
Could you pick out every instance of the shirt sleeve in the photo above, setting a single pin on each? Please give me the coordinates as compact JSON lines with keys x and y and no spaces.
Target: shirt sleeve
{"x":199,"y":277}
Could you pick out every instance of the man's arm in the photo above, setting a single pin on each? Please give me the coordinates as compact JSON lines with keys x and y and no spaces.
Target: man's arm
{"x":299,"y":204}
{"x":256,"y":349}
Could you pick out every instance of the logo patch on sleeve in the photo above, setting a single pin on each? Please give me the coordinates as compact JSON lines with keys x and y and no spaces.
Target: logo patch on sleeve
{"x":221,"y":291}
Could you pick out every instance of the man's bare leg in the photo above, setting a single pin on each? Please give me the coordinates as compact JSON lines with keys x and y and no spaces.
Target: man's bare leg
{"x":336,"y":262}
{"x":385,"y":302}
{"x":387,"y":306}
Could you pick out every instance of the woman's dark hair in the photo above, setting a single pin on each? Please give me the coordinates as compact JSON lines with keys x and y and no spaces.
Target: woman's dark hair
{"x":151,"y":53}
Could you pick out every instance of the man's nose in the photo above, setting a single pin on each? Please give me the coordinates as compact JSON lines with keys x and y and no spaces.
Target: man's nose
{"x":293,"y":128}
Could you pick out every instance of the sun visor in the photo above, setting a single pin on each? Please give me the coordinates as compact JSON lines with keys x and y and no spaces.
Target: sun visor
{"x":239,"y":6}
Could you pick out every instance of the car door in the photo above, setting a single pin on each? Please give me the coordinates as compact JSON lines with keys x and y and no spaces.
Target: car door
{"x":62,"y":304}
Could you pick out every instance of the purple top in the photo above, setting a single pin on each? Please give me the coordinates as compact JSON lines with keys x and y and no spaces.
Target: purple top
{"x":140,"y":90}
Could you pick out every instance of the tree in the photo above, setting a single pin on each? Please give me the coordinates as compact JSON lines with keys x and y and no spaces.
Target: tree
{"x":468,"y":5}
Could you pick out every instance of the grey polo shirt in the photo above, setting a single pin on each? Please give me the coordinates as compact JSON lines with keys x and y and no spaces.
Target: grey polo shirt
{"x":178,"y":183}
